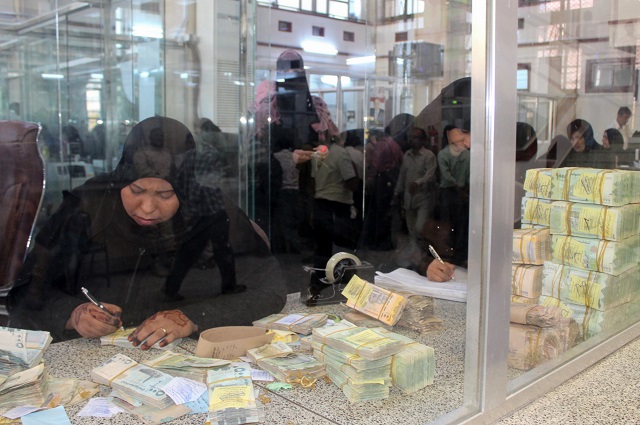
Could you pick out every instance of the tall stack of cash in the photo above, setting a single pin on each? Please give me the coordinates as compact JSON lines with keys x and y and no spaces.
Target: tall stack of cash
{"x":184,"y":365}
{"x":594,"y":221}
{"x":25,"y":388}
{"x":299,"y":323}
{"x":131,"y":379}
{"x":120,"y":338}
{"x":530,"y":346}
{"x":21,"y":349}
{"x":231,"y":396}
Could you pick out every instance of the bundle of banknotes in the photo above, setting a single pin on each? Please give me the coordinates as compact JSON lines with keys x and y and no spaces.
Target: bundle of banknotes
{"x":536,"y":315}
{"x":535,"y":211}
{"x":357,"y":391}
{"x":296,"y":369}
{"x":275,"y":349}
{"x":588,"y":185}
{"x":184,"y":365}
{"x":363,"y":342}
{"x":321,"y":350}
{"x":26,"y":388}
{"x":531,"y":246}
{"x":120,"y":339}
{"x":148,"y":414}
{"x":593,"y":289}
{"x":231,"y":396}
{"x":526,"y":280}
{"x":21,"y":349}
{"x":530,"y":346}
{"x":594,"y":221}
{"x":596,"y":254}
{"x":519,"y":299}
{"x":374,"y":301}
{"x":299,"y":323}
{"x":131,"y":379}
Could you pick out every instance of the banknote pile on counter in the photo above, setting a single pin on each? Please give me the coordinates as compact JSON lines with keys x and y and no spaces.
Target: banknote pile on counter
{"x":21,"y":349}
{"x":374,"y":301}
{"x":296,"y":368}
{"x":593,"y":274}
{"x":26,"y":388}
{"x":184,"y":365}
{"x":231,"y":394}
{"x":120,"y":338}
{"x":365,"y":362}
{"x":274,"y":349}
{"x":298,"y":323}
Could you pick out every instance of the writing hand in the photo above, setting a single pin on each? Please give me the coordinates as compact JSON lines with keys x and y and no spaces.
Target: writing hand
{"x":92,"y":322}
{"x":438,"y":272}
{"x":168,"y":324}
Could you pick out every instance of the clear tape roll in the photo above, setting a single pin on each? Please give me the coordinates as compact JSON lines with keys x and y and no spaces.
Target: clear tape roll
{"x":336,"y":264}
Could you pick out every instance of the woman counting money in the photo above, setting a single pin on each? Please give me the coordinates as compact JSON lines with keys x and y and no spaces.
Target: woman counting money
{"x":132,"y":237}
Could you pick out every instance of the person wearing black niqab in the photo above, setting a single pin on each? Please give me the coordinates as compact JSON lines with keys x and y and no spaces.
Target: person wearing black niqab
{"x":109,"y":234}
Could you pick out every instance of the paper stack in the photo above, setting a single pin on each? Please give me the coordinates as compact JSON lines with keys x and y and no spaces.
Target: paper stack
{"x":26,"y":388}
{"x":275,"y":349}
{"x":299,"y":323}
{"x":184,"y":365}
{"x":21,"y":349}
{"x":374,"y":301}
{"x":231,"y":396}
{"x":120,"y":339}
{"x":128,"y":377}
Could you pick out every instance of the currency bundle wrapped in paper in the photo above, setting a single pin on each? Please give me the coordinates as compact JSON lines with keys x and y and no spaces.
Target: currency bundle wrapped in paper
{"x":378,"y":374}
{"x":594,"y":221}
{"x":296,"y":369}
{"x":299,"y":323}
{"x":275,"y":349}
{"x":596,"y":254}
{"x":519,"y":299}
{"x":231,"y":396}
{"x":120,"y":339}
{"x":536,"y":315}
{"x":184,"y":365}
{"x":374,"y":301}
{"x":593,"y":289}
{"x":320,"y":350}
{"x":526,"y":280}
{"x":26,"y":388}
{"x":531,"y":246}
{"x":530,"y":346}
{"x":21,"y":349}
{"x":356,"y":392}
{"x":587,"y":185}
{"x":138,"y":381}
{"x":364,"y":342}
{"x":535,"y":211}
{"x":591,"y":321}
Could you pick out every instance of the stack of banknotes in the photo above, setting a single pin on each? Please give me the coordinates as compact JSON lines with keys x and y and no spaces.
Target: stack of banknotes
{"x":21,"y":349}
{"x":299,"y":323}
{"x":595,"y":186}
{"x":535,"y":211}
{"x":531,"y":246}
{"x":120,"y":339}
{"x":26,"y":388}
{"x":231,"y":396}
{"x":526,"y":280}
{"x":275,"y":349}
{"x":594,"y":221}
{"x":367,"y":343}
{"x":536,"y":315}
{"x":294,"y":369}
{"x":374,"y":301}
{"x":184,"y":365}
{"x":133,"y":380}
{"x":597,"y":255}
{"x":530,"y":346}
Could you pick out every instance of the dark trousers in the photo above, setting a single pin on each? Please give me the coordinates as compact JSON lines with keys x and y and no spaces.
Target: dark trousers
{"x":331,"y":221}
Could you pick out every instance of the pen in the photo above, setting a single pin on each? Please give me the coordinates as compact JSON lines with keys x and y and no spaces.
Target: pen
{"x":435,"y":254}
{"x":97,"y":303}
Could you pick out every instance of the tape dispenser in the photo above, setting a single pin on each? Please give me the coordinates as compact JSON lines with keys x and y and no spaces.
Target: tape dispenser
{"x":340,"y":268}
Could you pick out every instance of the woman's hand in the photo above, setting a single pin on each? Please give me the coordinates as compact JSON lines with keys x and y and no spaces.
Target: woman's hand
{"x":439,"y":272}
{"x":169,"y":324}
{"x":92,"y":322}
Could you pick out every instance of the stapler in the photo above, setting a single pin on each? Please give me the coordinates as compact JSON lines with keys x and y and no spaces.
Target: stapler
{"x":339,"y":270}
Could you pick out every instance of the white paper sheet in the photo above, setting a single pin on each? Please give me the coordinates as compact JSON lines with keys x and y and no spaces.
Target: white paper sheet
{"x":410,"y":281}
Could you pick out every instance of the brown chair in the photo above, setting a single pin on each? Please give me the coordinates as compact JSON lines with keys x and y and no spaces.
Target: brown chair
{"x":21,"y":190}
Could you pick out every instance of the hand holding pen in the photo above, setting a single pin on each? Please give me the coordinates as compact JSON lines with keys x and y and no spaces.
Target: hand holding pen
{"x":438,"y":270}
{"x":94,"y":319}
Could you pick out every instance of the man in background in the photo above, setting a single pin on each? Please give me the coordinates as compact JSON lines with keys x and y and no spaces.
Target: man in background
{"x":621,"y":123}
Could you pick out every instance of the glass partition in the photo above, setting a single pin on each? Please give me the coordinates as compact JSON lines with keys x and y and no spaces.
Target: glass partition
{"x":274,"y":94}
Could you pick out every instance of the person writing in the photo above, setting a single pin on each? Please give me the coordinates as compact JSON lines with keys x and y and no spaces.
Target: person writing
{"x":108,"y":233}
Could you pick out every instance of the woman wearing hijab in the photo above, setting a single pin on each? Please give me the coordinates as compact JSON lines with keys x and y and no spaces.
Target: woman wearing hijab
{"x":584,"y":152}
{"x":108,"y":232}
